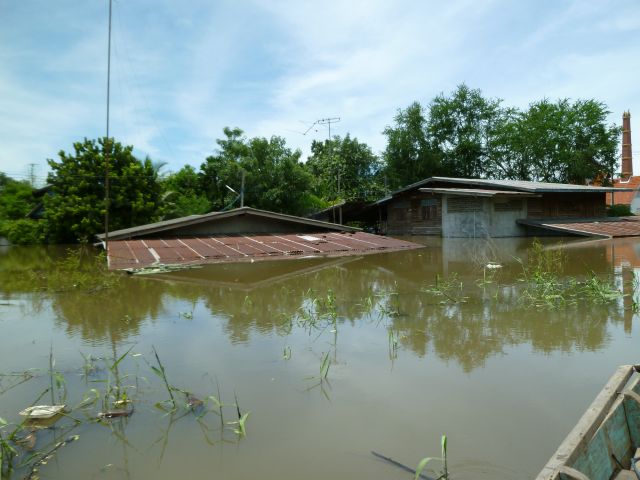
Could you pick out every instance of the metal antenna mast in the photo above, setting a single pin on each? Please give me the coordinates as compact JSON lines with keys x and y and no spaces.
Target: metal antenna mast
{"x":323,"y":121}
{"x":328,"y":121}
{"x":106,"y":145}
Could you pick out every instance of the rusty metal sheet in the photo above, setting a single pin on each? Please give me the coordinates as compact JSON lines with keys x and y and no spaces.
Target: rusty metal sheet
{"x":611,"y":229}
{"x":126,"y":254}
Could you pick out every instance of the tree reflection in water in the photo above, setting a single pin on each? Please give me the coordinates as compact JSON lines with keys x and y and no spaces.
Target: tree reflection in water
{"x":263,"y":298}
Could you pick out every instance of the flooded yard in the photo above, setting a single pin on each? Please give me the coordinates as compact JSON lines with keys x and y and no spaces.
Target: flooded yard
{"x":301,"y":368}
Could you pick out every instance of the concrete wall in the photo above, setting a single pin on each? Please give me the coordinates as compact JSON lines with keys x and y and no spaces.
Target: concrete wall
{"x":635,"y":203}
{"x":481,"y":217}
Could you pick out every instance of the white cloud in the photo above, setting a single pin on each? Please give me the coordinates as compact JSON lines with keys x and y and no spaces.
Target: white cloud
{"x":181,"y":72}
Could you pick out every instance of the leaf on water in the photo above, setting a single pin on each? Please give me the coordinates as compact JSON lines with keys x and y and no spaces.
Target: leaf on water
{"x":117,"y":362}
{"x":157,"y":371}
{"x":421,"y":465}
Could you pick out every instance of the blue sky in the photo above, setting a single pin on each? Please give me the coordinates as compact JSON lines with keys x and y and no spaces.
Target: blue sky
{"x":181,"y":71}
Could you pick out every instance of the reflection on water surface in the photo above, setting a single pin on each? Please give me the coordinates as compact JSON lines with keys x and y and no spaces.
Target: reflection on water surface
{"x":421,"y":343}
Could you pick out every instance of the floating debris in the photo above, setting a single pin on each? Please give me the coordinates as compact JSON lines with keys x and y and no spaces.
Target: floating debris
{"x":42,"y":411}
{"x":491,"y":265}
{"x":194,"y":402}
{"x":116,"y":413}
{"x":159,"y":268}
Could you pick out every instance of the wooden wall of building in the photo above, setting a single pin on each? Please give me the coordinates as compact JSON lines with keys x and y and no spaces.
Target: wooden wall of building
{"x":415,"y":214}
{"x":567,"y":205}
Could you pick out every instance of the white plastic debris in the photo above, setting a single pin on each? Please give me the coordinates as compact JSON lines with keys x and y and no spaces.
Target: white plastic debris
{"x":42,"y":411}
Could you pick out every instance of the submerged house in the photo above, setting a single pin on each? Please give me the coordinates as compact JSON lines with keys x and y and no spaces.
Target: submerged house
{"x":242,"y":234}
{"x":476,"y":208}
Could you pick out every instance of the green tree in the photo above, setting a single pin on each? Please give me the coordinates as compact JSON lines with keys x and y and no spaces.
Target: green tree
{"x":223,"y":168}
{"x":16,"y":201}
{"x":16,"y":198}
{"x":344,"y":168}
{"x":275,"y":179}
{"x":75,"y":208}
{"x":462,"y":127}
{"x":557,"y":142}
{"x":182,"y":194}
{"x":410,"y":155}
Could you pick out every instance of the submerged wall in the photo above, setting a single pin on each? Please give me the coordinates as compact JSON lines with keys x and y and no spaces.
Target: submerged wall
{"x":481,"y":217}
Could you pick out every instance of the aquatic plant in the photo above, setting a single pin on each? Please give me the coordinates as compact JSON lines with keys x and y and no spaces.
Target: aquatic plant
{"x":450,"y":288}
{"x":160,"y":371}
{"x":545,"y":286}
{"x":444,"y":473}
{"x":79,"y":269}
{"x":324,"y":366}
{"x":393,"y":343}
{"x":286,"y":354}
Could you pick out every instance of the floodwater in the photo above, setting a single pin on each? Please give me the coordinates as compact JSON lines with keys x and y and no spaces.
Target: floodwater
{"x":333,"y":358}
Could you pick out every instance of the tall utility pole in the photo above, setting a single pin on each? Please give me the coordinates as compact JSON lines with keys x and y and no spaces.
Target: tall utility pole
{"x":329,"y":121}
{"x":106,"y":145}
{"x":32,"y":176}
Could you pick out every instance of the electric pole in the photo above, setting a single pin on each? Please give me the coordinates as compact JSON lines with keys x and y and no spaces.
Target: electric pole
{"x":32,"y":176}
{"x":106,"y":146}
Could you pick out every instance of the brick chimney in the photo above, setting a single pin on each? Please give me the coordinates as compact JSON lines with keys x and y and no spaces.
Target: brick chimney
{"x":627,"y":162}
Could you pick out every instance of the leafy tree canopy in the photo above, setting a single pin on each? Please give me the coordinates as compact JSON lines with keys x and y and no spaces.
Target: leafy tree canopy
{"x":410,"y":154}
{"x":461,"y":127}
{"x":344,"y":168}
{"x":75,"y":209}
{"x":275,"y":179}
{"x":470,"y":136}
{"x":182,"y":194}
{"x":563,"y":141}
{"x":16,"y":198}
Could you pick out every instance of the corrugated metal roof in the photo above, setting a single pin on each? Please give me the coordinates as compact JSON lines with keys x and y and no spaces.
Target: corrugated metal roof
{"x":524,"y":186}
{"x":517,"y":185}
{"x":477,"y":192}
{"x":623,"y":227}
{"x":140,"y":253}
{"x":213,"y":216}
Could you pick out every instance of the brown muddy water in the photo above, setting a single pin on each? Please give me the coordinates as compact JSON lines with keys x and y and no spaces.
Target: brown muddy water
{"x":417,"y":344}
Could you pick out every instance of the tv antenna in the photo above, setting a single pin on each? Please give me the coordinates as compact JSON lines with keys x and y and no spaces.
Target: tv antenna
{"x":323,"y":121}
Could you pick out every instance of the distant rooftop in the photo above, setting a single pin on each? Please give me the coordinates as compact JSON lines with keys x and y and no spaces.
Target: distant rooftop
{"x":158,"y":227}
{"x":510,"y":185}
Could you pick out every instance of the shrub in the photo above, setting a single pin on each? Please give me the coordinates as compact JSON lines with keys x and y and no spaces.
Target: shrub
{"x":619,"y":210}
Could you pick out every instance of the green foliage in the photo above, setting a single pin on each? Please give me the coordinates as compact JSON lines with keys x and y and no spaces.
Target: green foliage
{"x":23,"y":232}
{"x":410,"y":154}
{"x":344,"y":168}
{"x":275,"y":179}
{"x":182,"y":194}
{"x":561,"y":142}
{"x":16,"y":198}
{"x":467,"y":135}
{"x":444,"y":474}
{"x":461,"y":127}
{"x":76,"y":207}
{"x":79,"y":270}
{"x":619,"y":210}
{"x":546,"y":286}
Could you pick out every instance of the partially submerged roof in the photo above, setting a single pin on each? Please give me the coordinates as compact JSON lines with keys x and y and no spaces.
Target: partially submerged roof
{"x":149,"y":252}
{"x":478,"y":192}
{"x":243,"y":220}
{"x":612,"y":227}
{"x":510,"y":185}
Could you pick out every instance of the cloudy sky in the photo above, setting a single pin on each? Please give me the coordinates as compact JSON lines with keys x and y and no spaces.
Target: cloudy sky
{"x":181,"y":71}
